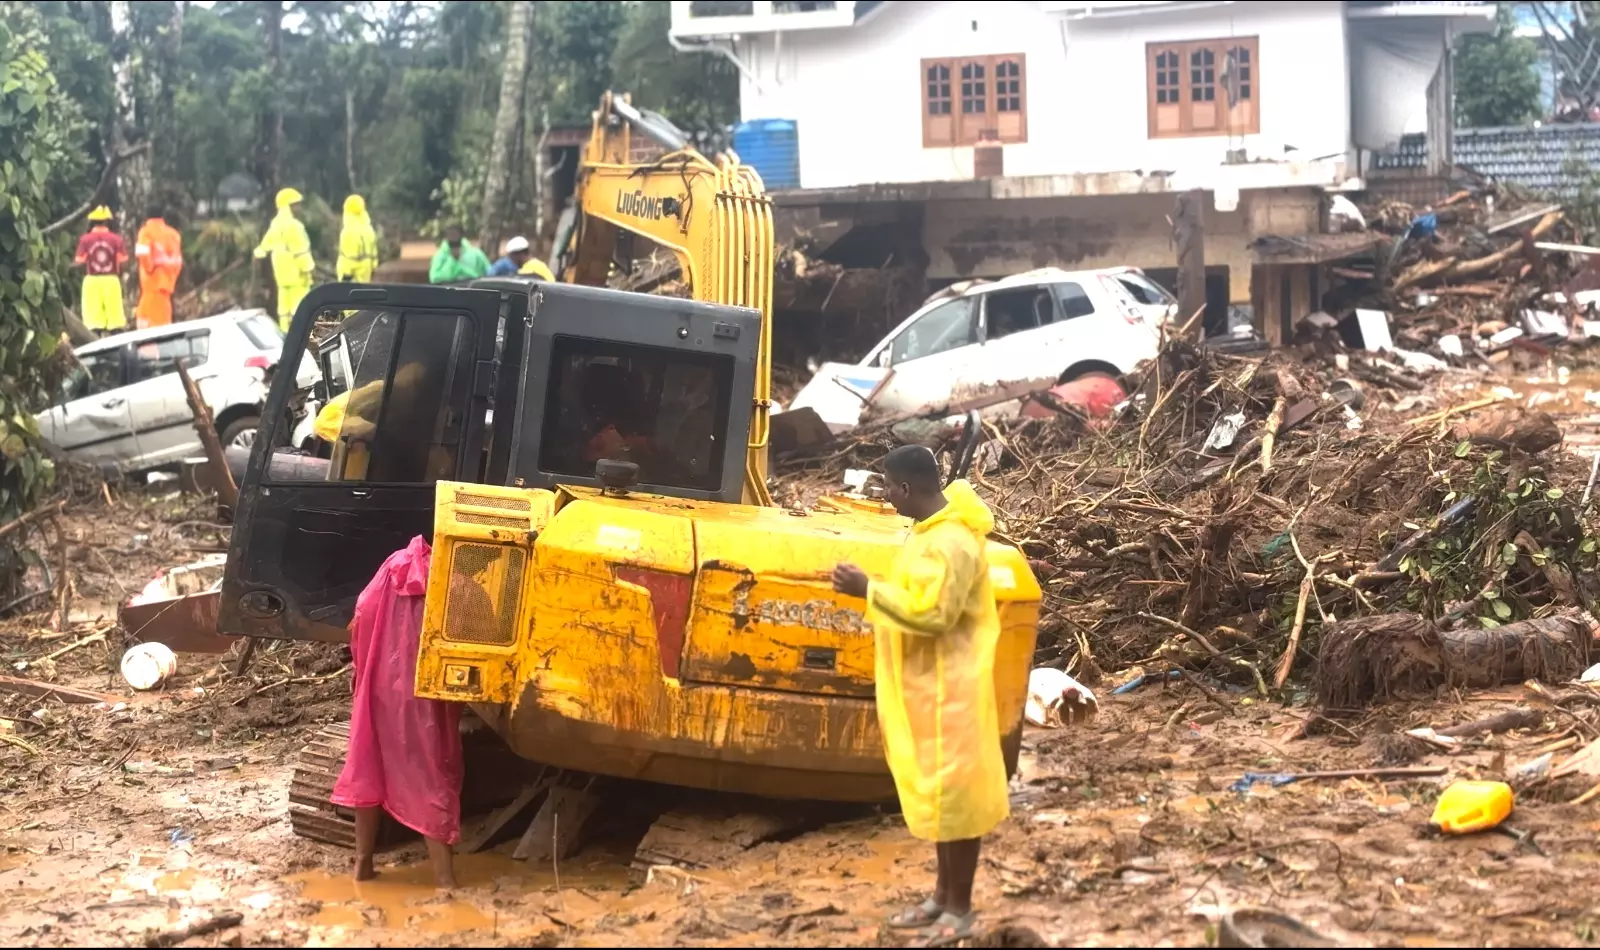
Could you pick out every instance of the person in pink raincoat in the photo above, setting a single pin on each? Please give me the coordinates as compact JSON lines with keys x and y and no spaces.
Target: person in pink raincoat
{"x":405,"y":752}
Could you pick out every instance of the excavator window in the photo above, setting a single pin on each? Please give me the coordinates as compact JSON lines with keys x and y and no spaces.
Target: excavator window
{"x":403,"y":417}
{"x":663,"y":409}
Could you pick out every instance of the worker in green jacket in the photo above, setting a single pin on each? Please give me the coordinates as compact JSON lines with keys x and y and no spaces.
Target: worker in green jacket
{"x":290,"y":249}
{"x":457,"y":259}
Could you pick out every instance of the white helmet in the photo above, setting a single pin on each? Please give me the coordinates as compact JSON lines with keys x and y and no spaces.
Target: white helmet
{"x":518,"y":243}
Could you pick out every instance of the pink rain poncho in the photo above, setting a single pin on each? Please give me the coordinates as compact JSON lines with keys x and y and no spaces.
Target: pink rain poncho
{"x":405,"y":752}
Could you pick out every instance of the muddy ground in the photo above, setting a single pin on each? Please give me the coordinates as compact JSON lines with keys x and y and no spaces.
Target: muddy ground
{"x":118,"y":823}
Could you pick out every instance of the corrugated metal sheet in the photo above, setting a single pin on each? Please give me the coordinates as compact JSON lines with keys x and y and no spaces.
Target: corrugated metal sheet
{"x":1553,"y":159}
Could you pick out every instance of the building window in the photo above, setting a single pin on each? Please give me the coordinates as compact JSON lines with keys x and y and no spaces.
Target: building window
{"x":1207,"y":87}
{"x":962,"y":98}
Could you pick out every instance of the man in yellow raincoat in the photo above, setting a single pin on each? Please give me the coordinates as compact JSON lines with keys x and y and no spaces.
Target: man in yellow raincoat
{"x":290,"y":248}
{"x":936,"y":629}
{"x":358,"y":243}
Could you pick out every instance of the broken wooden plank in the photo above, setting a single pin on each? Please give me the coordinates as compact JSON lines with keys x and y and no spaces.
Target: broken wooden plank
{"x":557,"y":827}
{"x":1522,"y":217}
{"x":221,"y":477}
{"x":497,"y":822}
{"x":69,"y":694}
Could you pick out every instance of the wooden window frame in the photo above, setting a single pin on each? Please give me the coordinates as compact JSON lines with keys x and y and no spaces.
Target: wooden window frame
{"x":1243,"y":118}
{"x":966,"y":127}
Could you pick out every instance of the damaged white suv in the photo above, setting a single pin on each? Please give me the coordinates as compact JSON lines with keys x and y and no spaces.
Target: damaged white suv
{"x":123,"y":407}
{"x":1039,"y":328}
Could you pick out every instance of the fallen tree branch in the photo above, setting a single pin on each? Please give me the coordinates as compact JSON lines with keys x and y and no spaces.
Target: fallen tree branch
{"x":70,"y":694}
{"x":106,"y":178}
{"x":34,"y":515}
{"x":199,"y":928}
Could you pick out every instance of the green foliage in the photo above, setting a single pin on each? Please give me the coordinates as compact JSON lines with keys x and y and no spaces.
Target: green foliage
{"x":41,"y":132}
{"x":1514,"y":533}
{"x":698,"y":91}
{"x":393,"y":100}
{"x":1496,"y":80}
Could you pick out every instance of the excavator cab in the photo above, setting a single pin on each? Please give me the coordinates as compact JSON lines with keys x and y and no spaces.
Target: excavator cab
{"x":437,"y":391}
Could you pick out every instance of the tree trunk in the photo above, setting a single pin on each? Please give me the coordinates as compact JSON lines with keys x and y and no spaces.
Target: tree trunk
{"x":269,"y":124}
{"x":350,"y":138}
{"x":133,"y":176}
{"x":1189,"y":233}
{"x":513,"y":80}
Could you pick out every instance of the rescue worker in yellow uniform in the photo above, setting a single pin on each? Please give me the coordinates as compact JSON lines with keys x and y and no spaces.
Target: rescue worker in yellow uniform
{"x":358,"y":243}
{"x":290,"y":248}
{"x":936,"y":629}
{"x":102,"y":254}
{"x":533,"y":267}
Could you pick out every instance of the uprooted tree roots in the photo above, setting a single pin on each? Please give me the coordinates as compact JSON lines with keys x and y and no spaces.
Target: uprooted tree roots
{"x":1233,"y":559}
{"x":1404,"y":656}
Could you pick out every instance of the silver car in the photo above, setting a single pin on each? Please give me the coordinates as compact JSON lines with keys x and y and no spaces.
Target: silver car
{"x":123,"y":407}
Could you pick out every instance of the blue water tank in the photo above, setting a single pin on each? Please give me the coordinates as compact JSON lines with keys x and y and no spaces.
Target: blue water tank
{"x":772,"y":148}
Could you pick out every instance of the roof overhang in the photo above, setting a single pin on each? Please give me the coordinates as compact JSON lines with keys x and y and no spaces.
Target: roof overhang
{"x":691,"y":20}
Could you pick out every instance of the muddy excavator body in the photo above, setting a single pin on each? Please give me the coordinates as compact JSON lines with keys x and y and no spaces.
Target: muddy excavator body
{"x":599,"y":593}
{"x":611,"y":589}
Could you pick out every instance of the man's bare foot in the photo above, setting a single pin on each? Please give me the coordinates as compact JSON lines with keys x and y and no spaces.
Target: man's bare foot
{"x":364,"y":870}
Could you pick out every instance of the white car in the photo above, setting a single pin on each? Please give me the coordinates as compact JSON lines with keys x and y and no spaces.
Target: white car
{"x":124,"y":409}
{"x":1039,"y":328}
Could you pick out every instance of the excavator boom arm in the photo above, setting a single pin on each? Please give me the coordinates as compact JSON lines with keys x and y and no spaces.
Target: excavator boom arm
{"x":715,"y":218}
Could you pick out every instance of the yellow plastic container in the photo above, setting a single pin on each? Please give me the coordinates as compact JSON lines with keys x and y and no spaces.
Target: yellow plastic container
{"x":1466,"y":807}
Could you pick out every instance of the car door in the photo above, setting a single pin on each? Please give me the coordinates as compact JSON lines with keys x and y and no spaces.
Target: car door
{"x":1021,"y":337}
{"x":309,"y":536}
{"x":927,"y":356}
{"x":92,"y":423}
{"x":162,"y":418}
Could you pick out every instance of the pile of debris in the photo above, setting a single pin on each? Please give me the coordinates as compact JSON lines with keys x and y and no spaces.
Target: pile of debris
{"x":1236,"y":507}
{"x":1485,"y":272}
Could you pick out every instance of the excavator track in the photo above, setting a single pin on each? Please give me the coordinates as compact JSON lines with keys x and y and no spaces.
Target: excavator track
{"x":311,"y":812}
{"x":492,"y":775}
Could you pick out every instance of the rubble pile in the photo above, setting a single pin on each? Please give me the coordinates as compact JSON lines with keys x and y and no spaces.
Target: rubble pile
{"x":1238,"y":506}
{"x":1487,"y":271}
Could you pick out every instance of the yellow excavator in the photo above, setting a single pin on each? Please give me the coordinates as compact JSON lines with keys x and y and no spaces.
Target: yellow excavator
{"x":611,"y":589}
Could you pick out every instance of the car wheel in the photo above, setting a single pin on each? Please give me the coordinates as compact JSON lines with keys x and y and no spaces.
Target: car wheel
{"x":241,"y":432}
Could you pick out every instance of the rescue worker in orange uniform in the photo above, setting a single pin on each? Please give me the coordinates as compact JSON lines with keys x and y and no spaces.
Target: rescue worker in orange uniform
{"x":159,"y":248}
{"x":102,"y":255}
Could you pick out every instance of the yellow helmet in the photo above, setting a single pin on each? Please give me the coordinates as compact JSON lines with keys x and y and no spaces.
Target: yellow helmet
{"x":102,"y":213}
{"x":355,"y":204}
{"x":288,"y":196}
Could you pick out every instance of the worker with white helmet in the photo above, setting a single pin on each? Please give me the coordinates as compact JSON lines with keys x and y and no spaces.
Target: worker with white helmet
{"x":517,"y":254}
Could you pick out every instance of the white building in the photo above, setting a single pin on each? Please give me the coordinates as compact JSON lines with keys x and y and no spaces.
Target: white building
{"x":900,"y":91}
{"x":1264,"y":104}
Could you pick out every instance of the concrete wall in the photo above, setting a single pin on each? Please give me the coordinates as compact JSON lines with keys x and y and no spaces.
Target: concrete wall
{"x":996,"y":238}
{"x":856,"y":93}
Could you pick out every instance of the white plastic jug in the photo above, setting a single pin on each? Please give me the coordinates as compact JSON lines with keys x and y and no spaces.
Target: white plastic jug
{"x":148,"y":665}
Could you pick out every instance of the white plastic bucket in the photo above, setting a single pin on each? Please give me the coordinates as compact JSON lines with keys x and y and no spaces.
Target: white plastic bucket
{"x":148,"y":665}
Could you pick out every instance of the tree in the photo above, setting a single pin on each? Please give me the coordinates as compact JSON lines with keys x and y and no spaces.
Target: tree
{"x":507,"y":125}
{"x":698,"y":91}
{"x":41,"y":132}
{"x":1496,"y":79}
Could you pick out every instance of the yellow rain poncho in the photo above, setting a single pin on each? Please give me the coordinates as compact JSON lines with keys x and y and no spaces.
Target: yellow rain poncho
{"x":358,"y":243}
{"x":937,"y":628}
{"x":286,"y":241}
{"x":534,"y":267}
